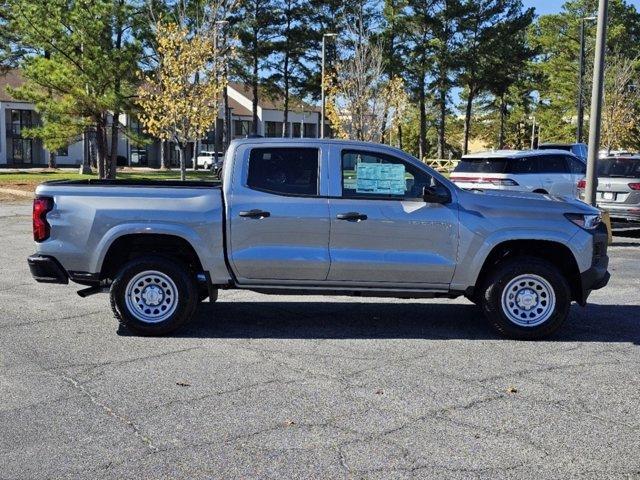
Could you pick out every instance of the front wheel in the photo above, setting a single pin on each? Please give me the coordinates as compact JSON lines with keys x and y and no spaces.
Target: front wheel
{"x":153,"y":296}
{"x":526,"y":298}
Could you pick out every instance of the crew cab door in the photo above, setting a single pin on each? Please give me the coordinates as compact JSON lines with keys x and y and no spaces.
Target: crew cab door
{"x":383,"y":233}
{"x":278,"y":222}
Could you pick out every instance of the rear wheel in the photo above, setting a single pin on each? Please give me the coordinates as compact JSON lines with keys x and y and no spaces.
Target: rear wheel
{"x":526,"y":298}
{"x":153,"y":296}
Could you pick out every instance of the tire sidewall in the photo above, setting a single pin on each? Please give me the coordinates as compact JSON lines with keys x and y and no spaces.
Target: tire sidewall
{"x":186,"y":288}
{"x":502,"y":275}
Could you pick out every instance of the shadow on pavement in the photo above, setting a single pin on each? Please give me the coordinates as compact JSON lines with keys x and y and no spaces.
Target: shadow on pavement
{"x":351,"y":320}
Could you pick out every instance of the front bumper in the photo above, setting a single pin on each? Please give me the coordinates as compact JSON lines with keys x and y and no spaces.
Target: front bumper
{"x":597,"y":276}
{"x":46,"y":269}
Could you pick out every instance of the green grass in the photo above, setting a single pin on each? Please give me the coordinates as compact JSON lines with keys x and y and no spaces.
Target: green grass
{"x":25,"y":179}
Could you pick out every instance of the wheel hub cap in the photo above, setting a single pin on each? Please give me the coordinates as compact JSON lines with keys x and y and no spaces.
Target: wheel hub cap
{"x":528,"y":300}
{"x":151,"y":296}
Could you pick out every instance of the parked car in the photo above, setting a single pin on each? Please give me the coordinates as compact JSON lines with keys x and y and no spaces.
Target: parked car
{"x":580,"y":150}
{"x":308,"y":216}
{"x":208,"y":160}
{"x":618,"y":189}
{"x":540,"y":171}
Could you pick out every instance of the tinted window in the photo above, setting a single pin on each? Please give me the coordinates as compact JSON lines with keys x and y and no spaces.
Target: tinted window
{"x":555,"y":147}
{"x":289,"y":171}
{"x":523,"y":165}
{"x":619,"y":167}
{"x":553,"y":164}
{"x":576,"y":166}
{"x":366,"y":174}
{"x":482,"y":165}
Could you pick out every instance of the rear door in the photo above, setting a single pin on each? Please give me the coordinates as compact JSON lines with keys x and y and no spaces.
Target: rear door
{"x":555,"y":174}
{"x":279,"y":221}
{"x":382,"y":231}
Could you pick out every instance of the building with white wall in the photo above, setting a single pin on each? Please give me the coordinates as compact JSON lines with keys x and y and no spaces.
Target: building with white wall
{"x":17,"y":151}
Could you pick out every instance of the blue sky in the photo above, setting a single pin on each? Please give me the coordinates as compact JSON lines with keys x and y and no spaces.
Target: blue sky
{"x":544,"y":6}
{"x":553,"y":6}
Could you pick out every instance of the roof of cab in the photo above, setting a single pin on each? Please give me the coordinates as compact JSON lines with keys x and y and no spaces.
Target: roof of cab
{"x":515,"y":153}
{"x":315,"y":141}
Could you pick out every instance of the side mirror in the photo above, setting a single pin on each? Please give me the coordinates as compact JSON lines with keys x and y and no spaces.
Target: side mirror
{"x":436,"y":194}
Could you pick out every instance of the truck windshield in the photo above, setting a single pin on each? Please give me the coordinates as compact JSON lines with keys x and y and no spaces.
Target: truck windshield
{"x":623,"y":167}
{"x":482,"y":165}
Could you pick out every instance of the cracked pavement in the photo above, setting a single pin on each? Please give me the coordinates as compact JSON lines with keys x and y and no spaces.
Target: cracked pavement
{"x":309,"y":387}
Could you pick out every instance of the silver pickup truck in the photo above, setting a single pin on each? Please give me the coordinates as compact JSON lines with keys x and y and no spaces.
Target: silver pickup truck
{"x":319,"y":217}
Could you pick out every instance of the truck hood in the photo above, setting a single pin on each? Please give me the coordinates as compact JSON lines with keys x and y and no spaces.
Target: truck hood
{"x":514,"y":199}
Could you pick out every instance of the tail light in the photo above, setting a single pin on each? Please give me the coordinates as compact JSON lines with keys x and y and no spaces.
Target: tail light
{"x":582,"y":184}
{"x":634,"y":186}
{"x":41,"y":228}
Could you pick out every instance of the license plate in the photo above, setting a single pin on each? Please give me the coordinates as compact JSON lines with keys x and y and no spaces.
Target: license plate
{"x":608,"y":195}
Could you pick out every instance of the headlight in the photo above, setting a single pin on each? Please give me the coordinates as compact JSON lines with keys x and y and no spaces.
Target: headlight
{"x":586,"y":221}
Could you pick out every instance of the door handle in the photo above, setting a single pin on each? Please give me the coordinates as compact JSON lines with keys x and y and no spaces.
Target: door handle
{"x":256,"y":213}
{"x":352,"y":216}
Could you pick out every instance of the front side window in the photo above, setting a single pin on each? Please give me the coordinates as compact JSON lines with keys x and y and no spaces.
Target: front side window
{"x":553,"y":164}
{"x":285,"y":171}
{"x":376,"y":175}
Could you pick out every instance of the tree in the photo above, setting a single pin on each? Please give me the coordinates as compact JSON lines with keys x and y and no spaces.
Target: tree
{"x":481,"y":36}
{"x":361,"y":103}
{"x":89,"y":67}
{"x":557,"y":39}
{"x":174,"y":106}
{"x":289,"y":53}
{"x":254,"y":25}
{"x":621,"y":106}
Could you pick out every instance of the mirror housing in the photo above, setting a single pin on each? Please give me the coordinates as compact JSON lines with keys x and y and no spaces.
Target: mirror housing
{"x":436,"y":194}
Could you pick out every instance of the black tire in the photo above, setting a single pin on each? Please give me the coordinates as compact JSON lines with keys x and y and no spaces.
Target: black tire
{"x":499,"y":279}
{"x":184,"y":286}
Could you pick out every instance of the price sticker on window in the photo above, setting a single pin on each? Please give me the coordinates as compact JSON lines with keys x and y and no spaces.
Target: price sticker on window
{"x":380,"y":178}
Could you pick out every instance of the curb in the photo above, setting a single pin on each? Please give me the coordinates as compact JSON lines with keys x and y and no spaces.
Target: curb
{"x":15,"y":191}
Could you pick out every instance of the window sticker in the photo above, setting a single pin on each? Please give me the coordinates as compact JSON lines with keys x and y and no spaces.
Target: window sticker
{"x":380,"y":178}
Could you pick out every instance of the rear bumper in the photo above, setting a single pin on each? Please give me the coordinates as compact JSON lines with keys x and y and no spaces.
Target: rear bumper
{"x":630,"y":213}
{"x":597,"y":276}
{"x":46,"y":269}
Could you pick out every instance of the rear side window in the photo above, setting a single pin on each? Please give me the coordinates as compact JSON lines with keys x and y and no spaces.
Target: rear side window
{"x":523,"y":165}
{"x":553,"y":164}
{"x":285,"y":171}
{"x":482,"y":165}
{"x":577,"y":167}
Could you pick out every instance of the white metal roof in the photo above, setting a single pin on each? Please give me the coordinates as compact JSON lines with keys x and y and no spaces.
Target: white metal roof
{"x":516,"y":153}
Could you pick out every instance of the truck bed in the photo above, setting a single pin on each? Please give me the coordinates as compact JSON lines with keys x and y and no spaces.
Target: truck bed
{"x":94,"y":182}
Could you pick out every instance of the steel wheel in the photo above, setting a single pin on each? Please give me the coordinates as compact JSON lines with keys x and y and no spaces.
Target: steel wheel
{"x":151,"y":296}
{"x":528,"y":300}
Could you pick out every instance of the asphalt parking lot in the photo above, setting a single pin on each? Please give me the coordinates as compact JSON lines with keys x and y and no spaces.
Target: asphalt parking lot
{"x":311,"y":387}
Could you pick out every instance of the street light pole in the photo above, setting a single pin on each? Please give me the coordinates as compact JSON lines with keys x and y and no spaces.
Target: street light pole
{"x":322,"y":115}
{"x":579,"y":133}
{"x":596,"y":103}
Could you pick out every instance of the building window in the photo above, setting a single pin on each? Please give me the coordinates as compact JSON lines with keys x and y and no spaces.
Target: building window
{"x":296,"y":127}
{"x":19,"y":150}
{"x":139,"y":154}
{"x":242,"y":128}
{"x":310,"y":130}
{"x":273,"y":129}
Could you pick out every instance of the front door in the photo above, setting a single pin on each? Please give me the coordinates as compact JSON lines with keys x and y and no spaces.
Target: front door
{"x":279,"y":223}
{"x":382,"y":231}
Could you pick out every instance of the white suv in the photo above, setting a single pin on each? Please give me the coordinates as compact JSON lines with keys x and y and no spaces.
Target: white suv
{"x":541,"y":171}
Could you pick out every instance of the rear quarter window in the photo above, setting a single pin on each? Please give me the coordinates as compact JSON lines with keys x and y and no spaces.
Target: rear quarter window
{"x":481,"y":165}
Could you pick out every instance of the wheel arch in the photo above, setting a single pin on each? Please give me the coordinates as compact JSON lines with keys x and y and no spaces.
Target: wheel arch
{"x":554,"y":252}
{"x":128,"y":246}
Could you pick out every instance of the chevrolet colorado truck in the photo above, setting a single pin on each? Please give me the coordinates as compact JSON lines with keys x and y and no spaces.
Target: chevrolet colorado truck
{"x":321,"y":217}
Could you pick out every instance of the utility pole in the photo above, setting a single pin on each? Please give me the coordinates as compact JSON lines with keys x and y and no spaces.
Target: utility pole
{"x":322,"y":81}
{"x":579,"y":133}
{"x":596,"y":103}
{"x":533,"y":134}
